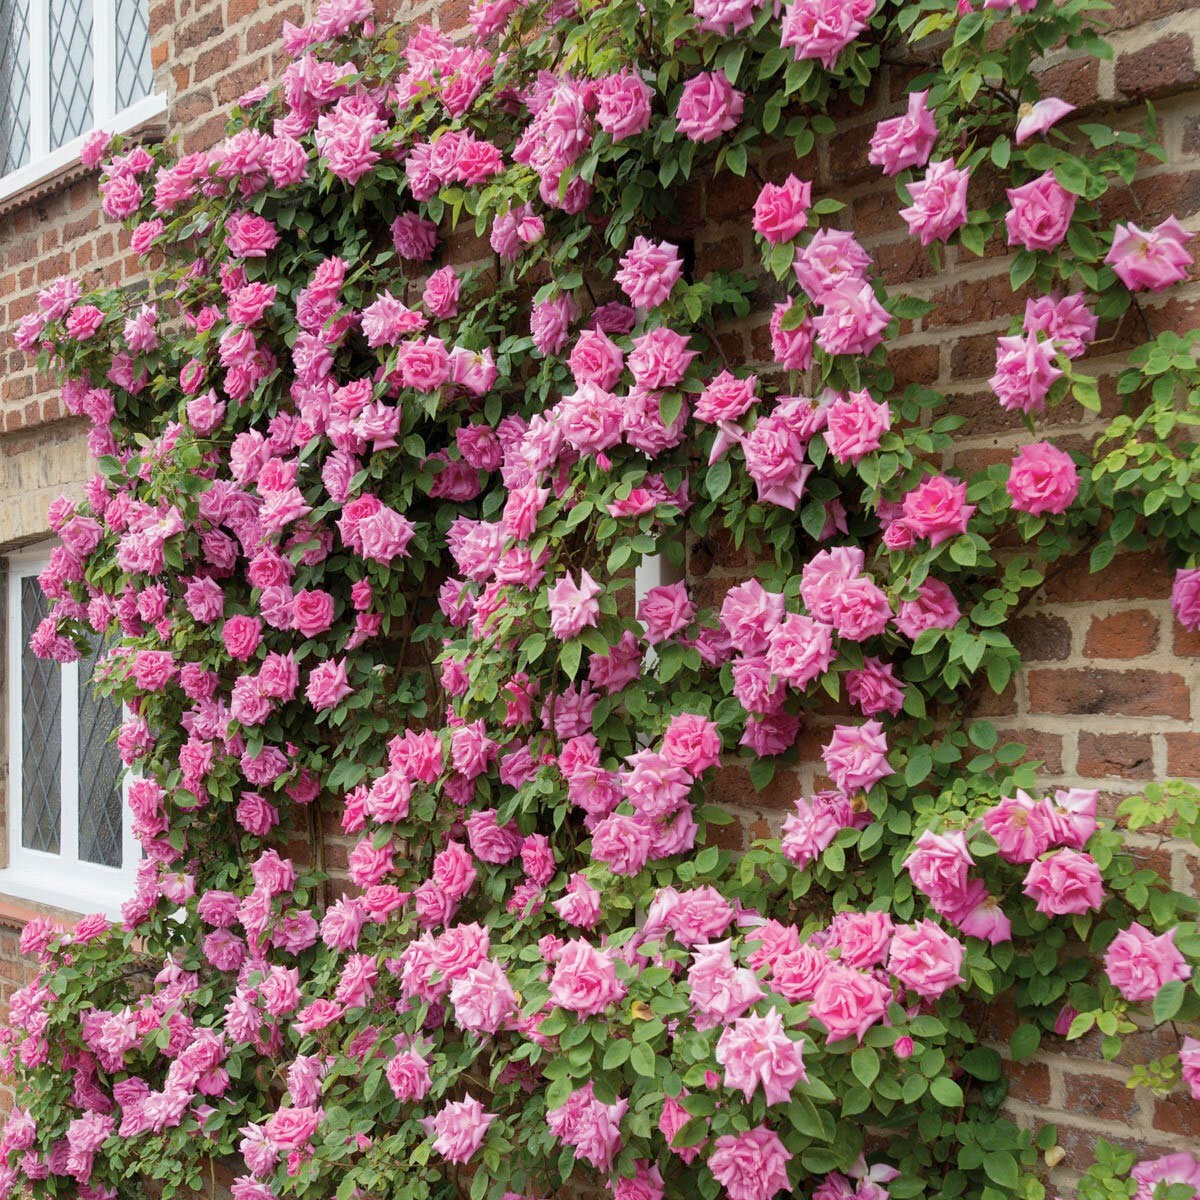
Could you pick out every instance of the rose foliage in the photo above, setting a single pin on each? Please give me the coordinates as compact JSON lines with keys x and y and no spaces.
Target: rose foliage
{"x":421,"y":371}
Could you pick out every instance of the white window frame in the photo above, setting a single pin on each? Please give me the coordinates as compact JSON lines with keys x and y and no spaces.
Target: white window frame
{"x":43,"y":161}
{"x":58,"y":879}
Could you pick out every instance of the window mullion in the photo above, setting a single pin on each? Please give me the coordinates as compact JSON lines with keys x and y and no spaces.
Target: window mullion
{"x":16,"y":738}
{"x":39,"y":81}
{"x":104,"y":59}
{"x":70,"y":799}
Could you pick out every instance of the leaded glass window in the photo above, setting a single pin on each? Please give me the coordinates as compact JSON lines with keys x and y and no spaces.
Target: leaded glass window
{"x":67,"y":67}
{"x":68,"y":827}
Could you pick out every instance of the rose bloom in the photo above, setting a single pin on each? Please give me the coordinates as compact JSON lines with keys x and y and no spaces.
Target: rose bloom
{"x":939,"y":202}
{"x":458,"y":1129}
{"x":854,"y":424}
{"x":665,"y":611}
{"x":648,"y":272}
{"x":1185,"y":597}
{"x":856,"y":756}
{"x":1150,"y":261}
{"x":1189,"y":1062}
{"x":584,"y":980}
{"x":1037,"y":118}
{"x":1066,"y":320}
{"x":1025,"y":372}
{"x":781,"y":210}
{"x":925,"y":958}
{"x":905,"y":141}
{"x":937,"y":509}
{"x":623,"y":105}
{"x":708,"y":107}
{"x":756,"y":1052}
{"x":848,"y":1002}
{"x":692,"y":742}
{"x":1039,"y":213}
{"x":934,"y":608}
{"x":1065,"y":882}
{"x":1138,"y":963}
{"x":822,"y":29}
{"x":939,"y":866}
{"x":751,"y":1165}
{"x":1043,"y":479}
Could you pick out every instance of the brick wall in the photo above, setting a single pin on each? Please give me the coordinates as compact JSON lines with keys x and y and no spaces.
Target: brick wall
{"x":1111,"y":694}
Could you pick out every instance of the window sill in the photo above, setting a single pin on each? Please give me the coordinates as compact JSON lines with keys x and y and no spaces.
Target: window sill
{"x":15,"y":885}
{"x":36,"y":181}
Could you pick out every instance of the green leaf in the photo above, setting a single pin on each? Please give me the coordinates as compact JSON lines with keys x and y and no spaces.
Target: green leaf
{"x":1025,"y":1041}
{"x":1169,"y":999}
{"x":864,"y":1062}
{"x":946,"y":1092}
{"x":642,"y":1060}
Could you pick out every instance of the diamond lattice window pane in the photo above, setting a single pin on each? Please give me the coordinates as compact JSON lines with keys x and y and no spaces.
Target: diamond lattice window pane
{"x":100,"y":838}
{"x":41,"y":732}
{"x":132,"y":47}
{"x":14,"y":84}
{"x":70,"y":69}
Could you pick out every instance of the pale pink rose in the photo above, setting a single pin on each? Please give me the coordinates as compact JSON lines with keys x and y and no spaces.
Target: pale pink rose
{"x":585,"y":980}
{"x":925,"y":958}
{"x":1065,"y":882}
{"x":1025,"y":372}
{"x":757,"y":1053}
{"x":1066,"y":320}
{"x":459,"y":1128}
{"x":854,"y":425}
{"x":1037,"y":118}
{"x":665,"y":611}
{"x":934,"y":608}
{"x":573,"y":607}
{"x":939,"y":202}
{"x":939,"y":866}
{"x":856,"y":756}
{"x":623,"y":104}
{"x":649,"y":270}
{"x":906,"y":141}
{"x":1150,"y":261}
{"x":848,"y":1002}
{"x":1138,"y":963}
{"x":822,"y":29}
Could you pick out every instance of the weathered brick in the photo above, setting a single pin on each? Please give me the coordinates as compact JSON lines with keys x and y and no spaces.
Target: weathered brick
{"x":1041,"y":637}
{"x":1163,"y":67}
{"x":1128,"y":755}
{"x":1091,"y":690}
{"x":1122,"y":635}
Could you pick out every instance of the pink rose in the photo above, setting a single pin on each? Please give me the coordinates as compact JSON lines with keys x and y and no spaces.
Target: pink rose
{"x":822,"y":29}
{"x":856,"y":756}
{"x":1040,"y":212}
{"x":1150,"y":261}
{"x":926,"y":959}
{"x":1138,"y":963}
{"x":665,"y":611}
{"x":854,"y":425}
{"x":1043,"y":479}
{"x":848,"y":1002}
{"x":1065,"y":882}
{"x":649,"y":270}
{"x":937,"y":509}
{"x":708,"y":107}
{"x":1037,"y":118}
{"x":1185,"y":597}
{"x":906,"y":141}
{"x":939,"y":202}
{"x":623,"y":105}
{"x":584,"y":980}
{"x":312,"y":612}
{"x":781,"y":210}
{"x":751,"y":1165}
{"x":1024,"y":373}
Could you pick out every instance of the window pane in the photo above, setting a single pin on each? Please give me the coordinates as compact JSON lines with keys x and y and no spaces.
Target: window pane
{"x":100,"y":837}
{"x":132,"y":45}
{"x":14,"y":84}
{"x":41,"y":731}
{"x":70,"y":69}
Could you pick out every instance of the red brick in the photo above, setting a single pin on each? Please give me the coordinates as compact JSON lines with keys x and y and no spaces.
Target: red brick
{"x":1183,"y":755}
{"x":1143,"y":576}
{"x":1127,"y":755}
{"x":1092,"y":690}
{"x":1122,"y":635}
{"x":1041,"y":637}
{"x":1164,"y":66}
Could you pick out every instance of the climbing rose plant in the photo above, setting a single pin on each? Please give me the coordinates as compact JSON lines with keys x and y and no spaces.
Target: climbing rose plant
{"x":421,"y":371}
